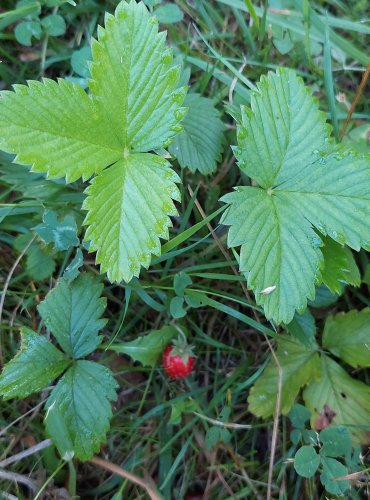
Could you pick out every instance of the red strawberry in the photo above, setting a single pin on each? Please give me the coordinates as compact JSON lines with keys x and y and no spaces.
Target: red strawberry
{"x":178,"y":360}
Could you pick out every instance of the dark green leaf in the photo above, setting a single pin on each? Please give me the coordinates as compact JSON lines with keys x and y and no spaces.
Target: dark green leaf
{"x":298,"y":416}
{"x":79,"y":409}
{"x":72,"y":270}
{"x":25,"y":30}
{"x":35,"y":366}
{"x":177,"y":309}
{"x":303,"y":328}
{"x":331,"y":470}
{"x":180,"y":282}
{"x":169,"y":13}
{"x":306,"y":461}
{"x":72,"y":312}
{"x":336,"y":441}
{"x":62,"y":233}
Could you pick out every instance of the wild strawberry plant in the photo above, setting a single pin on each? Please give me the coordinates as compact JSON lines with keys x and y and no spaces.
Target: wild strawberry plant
{"x":303,"y":206}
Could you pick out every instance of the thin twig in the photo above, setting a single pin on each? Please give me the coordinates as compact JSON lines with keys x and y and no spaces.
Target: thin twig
{"x":234,"y":82}
{"x":360,"y":89}
{"x":276,"y":361}
{"x":26,"y":453}
{"x":115,"y":469}
{"x":18,"y":478}
{"x":6,"y":285}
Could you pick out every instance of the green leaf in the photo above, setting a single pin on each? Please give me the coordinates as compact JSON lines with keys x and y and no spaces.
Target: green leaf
{"x":62,"y":233}
{"x":177,"y":308}
{"x":304,"y":182}
{"x":57,"y":128}
{"x":128,"y":206}
{"x":72,"y":270}
{"x":79,"y":61}
{"x":54,"y":25}
{"x":336,"y":441}
{"x":178,"y":408}
{"x":134,"y":81}
{"x":34,"y":367}
{"x":347,"y":335}
{"x":169,"y":13}
{"x":199,"y":145}
{"x":339,"y":267}
{"x":78,"y":409}
{"x":348,"y":398}
{"x":216,"y":434}
{"x":300,"y":366}
{"x":25,"y":30}
{"x":306,"y":461}
{"x":331,"y":470}
{"x":298,"y":416}
{"x":134,"y":107}
{"x":180,"y":282}
{"x":303,"y":328}
{"x":324,"y":297}
{"x":147,"y":348}
{"x":72,"y":312}
{"x":39,"y":263}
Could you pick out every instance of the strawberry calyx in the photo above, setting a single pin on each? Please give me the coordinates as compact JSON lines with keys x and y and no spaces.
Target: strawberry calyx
{"x":181,"y":348}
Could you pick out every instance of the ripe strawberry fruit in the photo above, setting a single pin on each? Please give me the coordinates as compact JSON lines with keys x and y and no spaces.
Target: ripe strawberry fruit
{"x":178,"y":360}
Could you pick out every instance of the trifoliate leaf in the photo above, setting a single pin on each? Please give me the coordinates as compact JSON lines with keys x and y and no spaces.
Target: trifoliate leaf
{"x":300,"y":366}
{"x":199,"y":145}
{"x":134,"y":107}
{"x":348,"y":398}
{"x":72,"y":311}
{"x":128,"y":206}
{"x":35,"y":366}
{"x":180,"y":282}
{"x":304,"y":182}
{"x":306,"y":461}
{"x":339,"y":267}
{"x":147,"y":348}
{"x":347,"y":336}
{"x":79,"y":409}
{"x":331,"y":470}
{"x":336,"y":441}
{"x":62,"y":233}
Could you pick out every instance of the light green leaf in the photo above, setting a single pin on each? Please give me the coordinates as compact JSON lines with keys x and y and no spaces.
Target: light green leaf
{"x":57,"y":128}
{"x":347,"y":397}
{"x":72,"y":312}
{"x":35,"y":366}
{"x":147,"y":348}
{"x":62,"y":233}
{"x":339,"y":266}
{"x":331,"y":470}
{"x":134,"y":81}
{"x":347,"y":335}
{"x":133,"y":107}
{"x":306,"y":461}
{"x":336,"y":441}
{"x":199,"y":145}
{"x":300,"y":366}
{"x":128,"y":206}
{"x":304,"y":182}
{"x":78,"y":409}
